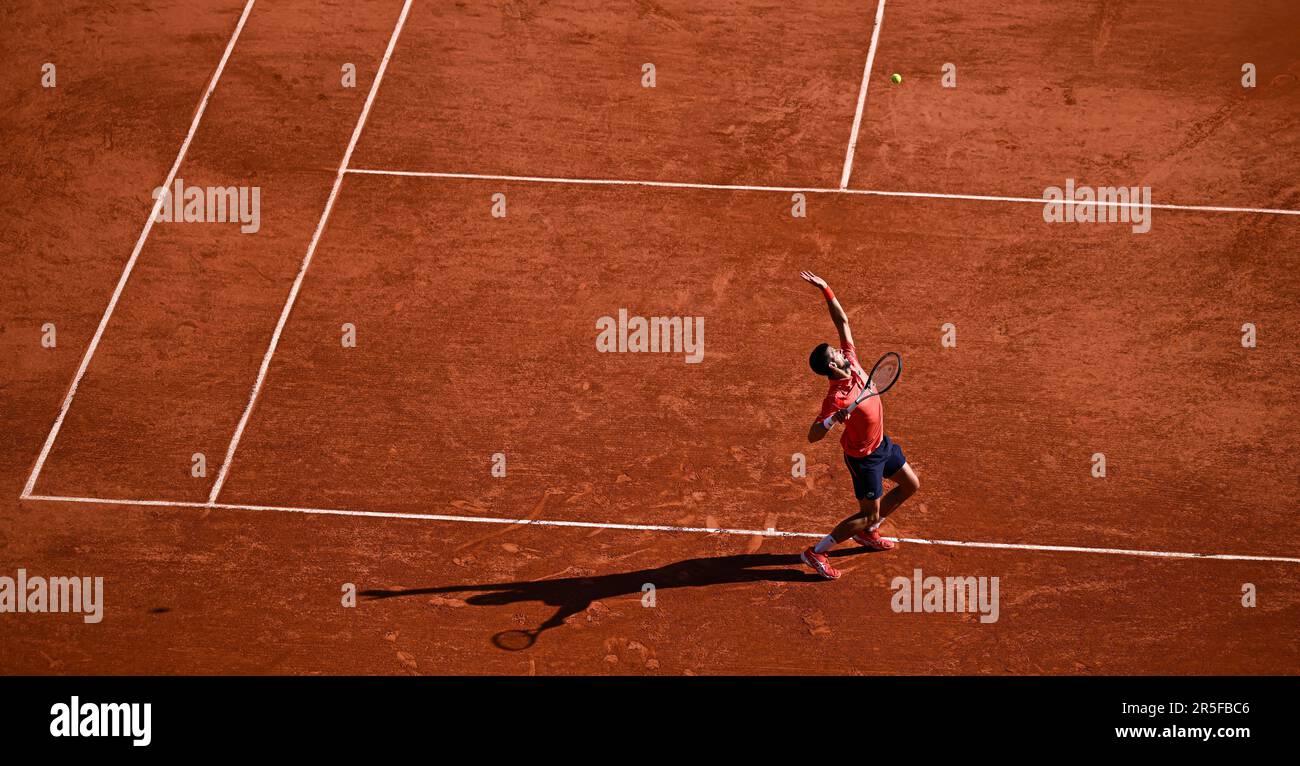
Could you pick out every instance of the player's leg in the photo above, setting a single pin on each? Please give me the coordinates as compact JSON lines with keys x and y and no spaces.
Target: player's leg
{"x":867,"y":476}
{"x":815,"y":557}
{"x":869,"y":513}
{"x":868,"y":482}
{"x":870,"y":537}
{"x":907,"y":484}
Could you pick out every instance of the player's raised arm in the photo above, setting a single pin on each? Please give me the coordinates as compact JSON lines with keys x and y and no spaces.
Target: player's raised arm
{"x":838,"y":316}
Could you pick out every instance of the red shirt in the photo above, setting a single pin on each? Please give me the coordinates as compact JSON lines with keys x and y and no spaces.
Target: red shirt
{"x":865,"y":428}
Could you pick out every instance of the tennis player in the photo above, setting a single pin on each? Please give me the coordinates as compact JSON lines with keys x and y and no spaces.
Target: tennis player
{"x":870,"y":455}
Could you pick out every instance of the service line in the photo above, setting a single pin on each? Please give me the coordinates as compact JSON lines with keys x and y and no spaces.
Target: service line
{"x":805,"y":190}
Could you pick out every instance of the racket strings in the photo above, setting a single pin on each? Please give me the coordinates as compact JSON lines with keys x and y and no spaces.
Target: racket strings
{"x":884,"y":373}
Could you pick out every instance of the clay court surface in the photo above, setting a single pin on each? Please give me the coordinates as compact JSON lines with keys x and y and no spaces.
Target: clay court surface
{"x":476,"y":335}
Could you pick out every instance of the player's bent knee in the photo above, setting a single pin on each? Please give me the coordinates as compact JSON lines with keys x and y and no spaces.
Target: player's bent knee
{"x":906,"y":481}
{"x":867,"y":508}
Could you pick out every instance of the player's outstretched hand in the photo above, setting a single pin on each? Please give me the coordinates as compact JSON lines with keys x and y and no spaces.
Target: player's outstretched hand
{"x":813,"y":279}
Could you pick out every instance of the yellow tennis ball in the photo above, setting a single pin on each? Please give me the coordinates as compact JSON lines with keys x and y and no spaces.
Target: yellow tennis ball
{"x":896,"y":77}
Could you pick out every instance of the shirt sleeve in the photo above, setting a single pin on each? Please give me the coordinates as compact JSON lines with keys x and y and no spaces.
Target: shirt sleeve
{"x":829,"y":407}
{"x":851,"y":352}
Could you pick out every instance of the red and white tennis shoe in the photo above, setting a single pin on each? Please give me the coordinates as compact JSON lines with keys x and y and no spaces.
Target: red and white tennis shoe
{"x":820,"y":564}
{"x":873,"y":540}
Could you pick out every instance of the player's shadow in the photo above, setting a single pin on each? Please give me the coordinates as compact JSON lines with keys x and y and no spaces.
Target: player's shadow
{"x":572,"y":595}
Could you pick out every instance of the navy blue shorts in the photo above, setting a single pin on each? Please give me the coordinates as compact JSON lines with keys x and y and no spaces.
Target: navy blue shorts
{"x":870,"y":471}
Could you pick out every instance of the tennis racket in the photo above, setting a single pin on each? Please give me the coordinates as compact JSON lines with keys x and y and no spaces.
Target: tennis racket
{"x":882,"y":378}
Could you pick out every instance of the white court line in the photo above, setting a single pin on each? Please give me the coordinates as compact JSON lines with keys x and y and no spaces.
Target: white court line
{"x":805,"y":190}
{"x":654,"y":528}
{"x":862,"y":96}
{"x":135,"y":255}
{"x":306,"y":261}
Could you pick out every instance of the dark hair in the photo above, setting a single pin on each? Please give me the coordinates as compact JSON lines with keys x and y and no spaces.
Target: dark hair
{"x":820,"y":360}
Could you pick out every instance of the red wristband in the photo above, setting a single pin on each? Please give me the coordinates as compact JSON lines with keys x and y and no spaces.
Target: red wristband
{"x":830,"y":296}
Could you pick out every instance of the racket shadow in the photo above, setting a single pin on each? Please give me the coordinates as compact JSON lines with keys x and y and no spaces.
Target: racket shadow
{"x":573,"y":595}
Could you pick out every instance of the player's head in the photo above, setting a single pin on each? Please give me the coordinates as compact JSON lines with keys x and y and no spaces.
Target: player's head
{"x":826,"y":360}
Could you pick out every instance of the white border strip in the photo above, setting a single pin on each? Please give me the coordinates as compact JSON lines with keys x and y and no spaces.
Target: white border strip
{"x":653,"y":528}
{"x":806,"y":190}
{"x":306,"y":261}
{"x":135,"y":255}
{"x":862,"y":96}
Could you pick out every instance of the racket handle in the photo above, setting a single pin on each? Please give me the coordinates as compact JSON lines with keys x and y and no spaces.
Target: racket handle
{"x":829,"y":423}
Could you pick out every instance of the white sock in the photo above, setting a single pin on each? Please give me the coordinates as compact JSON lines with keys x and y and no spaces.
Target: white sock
{"x":826,"y":544}
{"x":876,"y":526}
